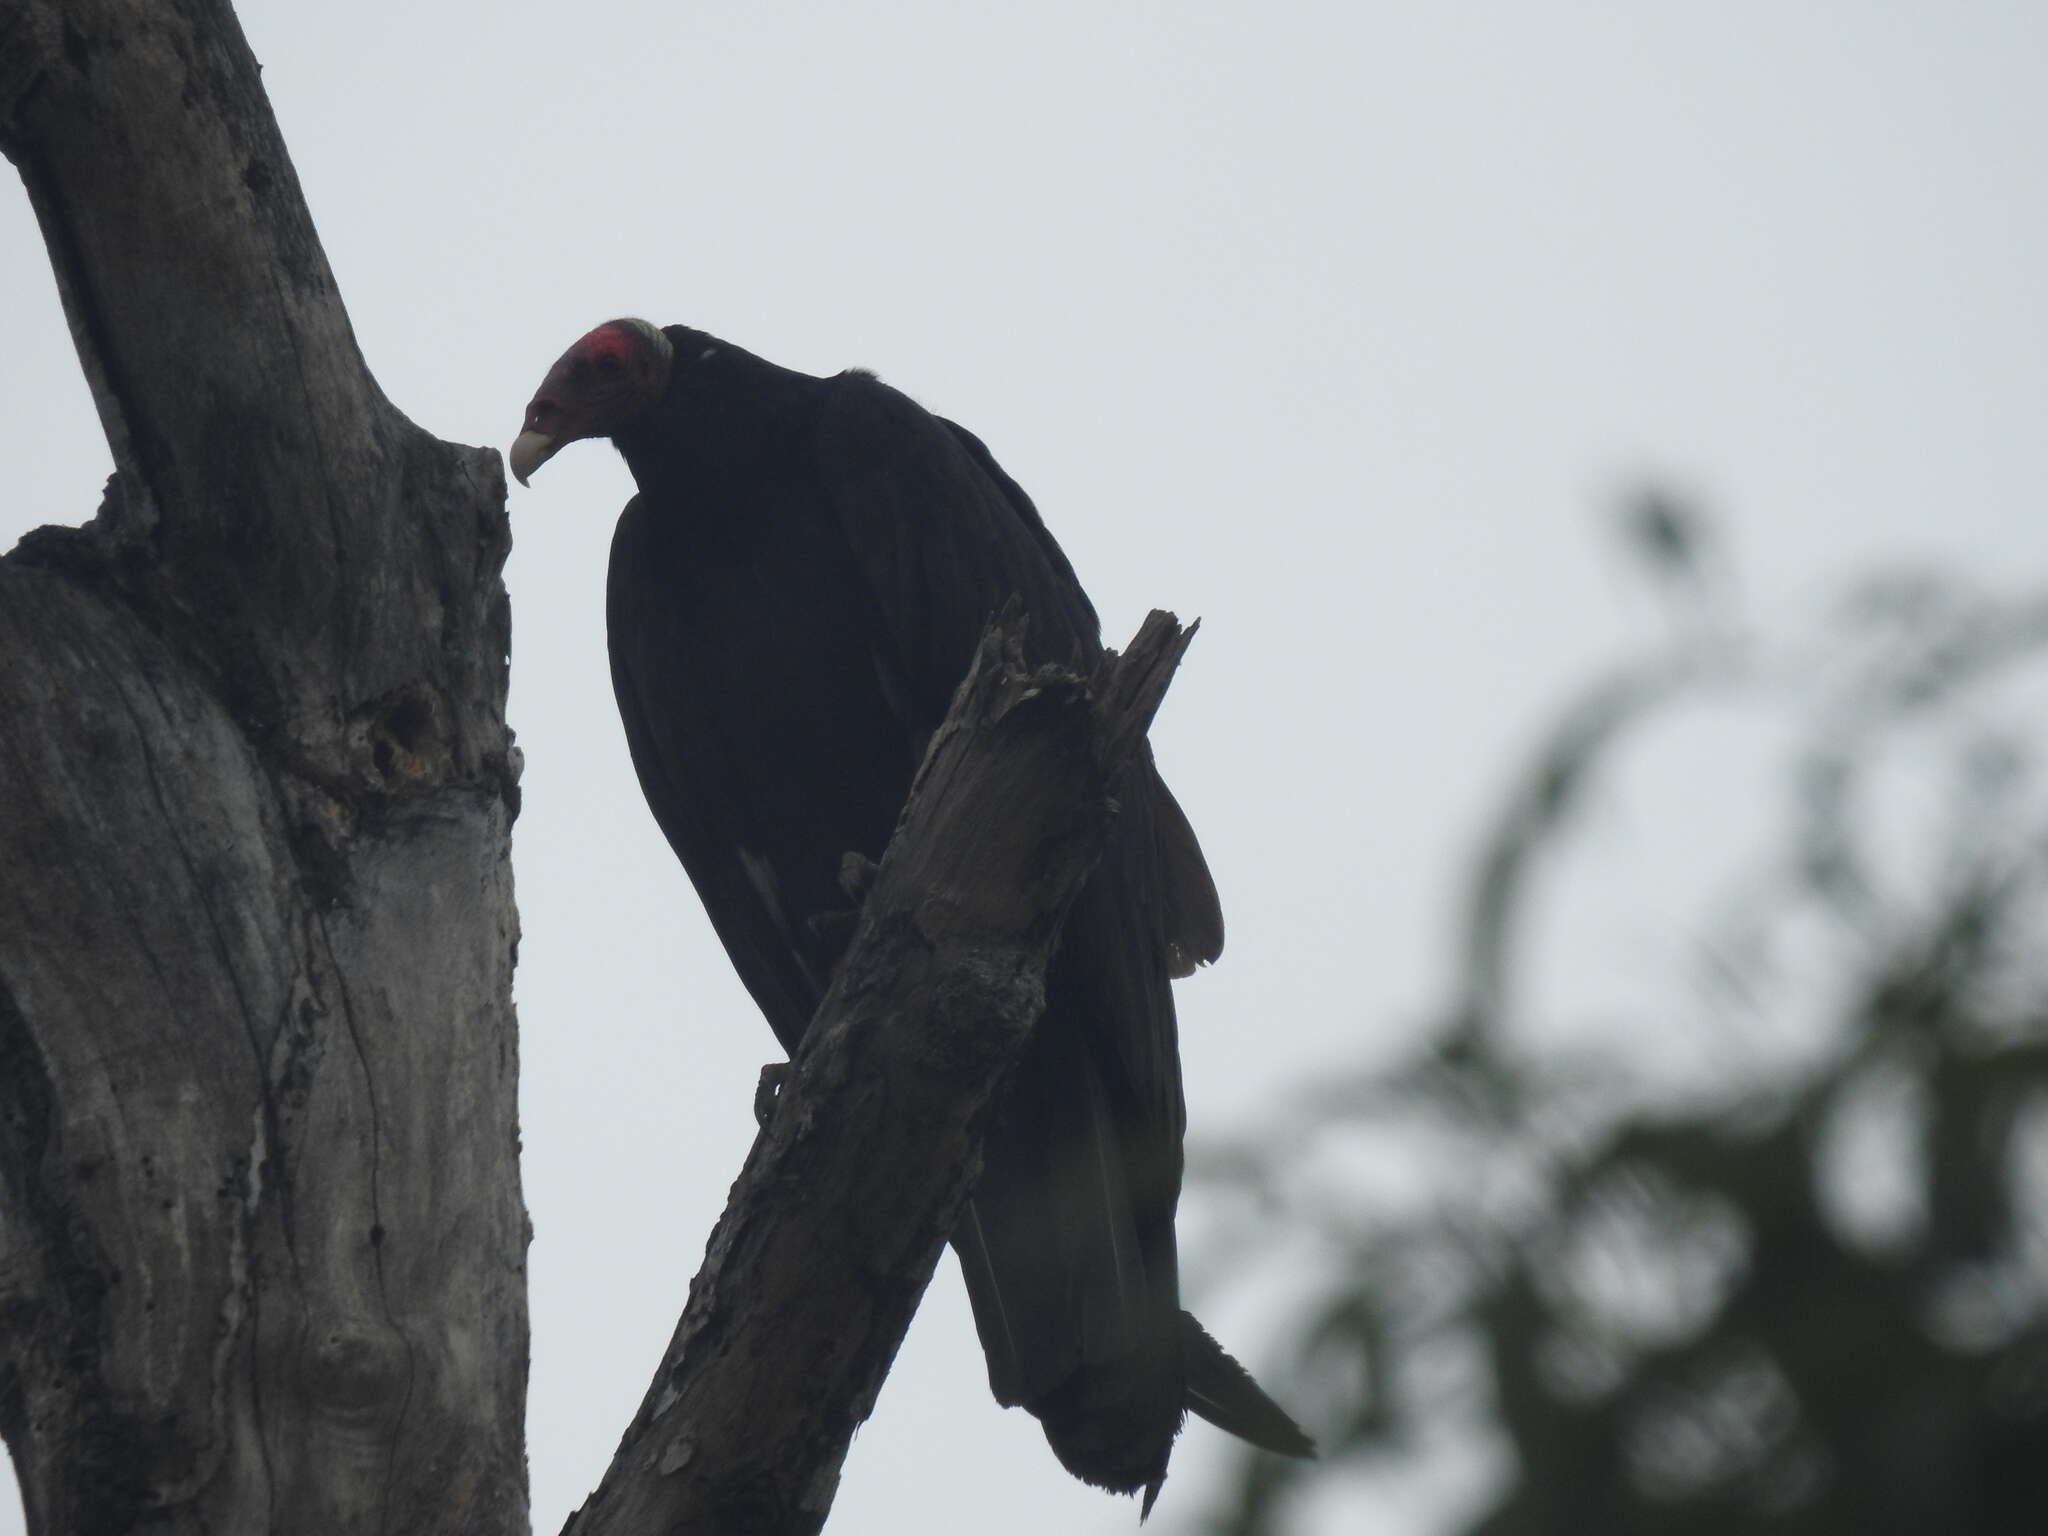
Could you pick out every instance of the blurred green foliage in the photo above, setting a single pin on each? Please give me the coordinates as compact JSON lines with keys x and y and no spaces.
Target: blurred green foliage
{"x":1805,"y":1292}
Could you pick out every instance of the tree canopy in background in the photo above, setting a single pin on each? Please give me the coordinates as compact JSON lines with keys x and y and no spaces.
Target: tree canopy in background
{"x":1801,"y":1290}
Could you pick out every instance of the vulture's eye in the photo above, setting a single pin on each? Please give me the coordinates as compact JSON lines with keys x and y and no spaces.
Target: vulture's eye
{"x":608,"y":364}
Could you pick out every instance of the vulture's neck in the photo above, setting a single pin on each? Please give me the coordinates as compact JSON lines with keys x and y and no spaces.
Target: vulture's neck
{"x":725,"y":408}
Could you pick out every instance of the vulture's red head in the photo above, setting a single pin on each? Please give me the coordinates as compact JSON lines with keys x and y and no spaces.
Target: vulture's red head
{"x":597,"y":387}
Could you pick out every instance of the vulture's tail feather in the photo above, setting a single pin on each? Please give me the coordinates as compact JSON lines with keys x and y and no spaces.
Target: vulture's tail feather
{"x":1223,"y":1392}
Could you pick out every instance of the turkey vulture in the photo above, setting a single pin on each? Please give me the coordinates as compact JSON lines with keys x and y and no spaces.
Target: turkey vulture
{"x":795,"y":593}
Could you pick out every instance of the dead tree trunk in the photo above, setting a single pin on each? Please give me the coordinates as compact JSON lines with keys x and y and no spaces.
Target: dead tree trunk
{"x":261,"y":1237}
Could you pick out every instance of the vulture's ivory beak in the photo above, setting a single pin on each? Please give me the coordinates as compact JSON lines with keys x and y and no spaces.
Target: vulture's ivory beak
{"x":530,"y":450}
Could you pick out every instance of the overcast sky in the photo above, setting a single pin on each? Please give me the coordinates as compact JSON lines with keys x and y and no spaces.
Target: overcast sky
{"x":1339,"y":325}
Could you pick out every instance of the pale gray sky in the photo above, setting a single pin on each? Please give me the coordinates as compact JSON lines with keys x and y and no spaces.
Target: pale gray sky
{"x":1335,"y":324}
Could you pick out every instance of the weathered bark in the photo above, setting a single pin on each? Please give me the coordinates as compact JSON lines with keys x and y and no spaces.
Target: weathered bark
{"x":261,"y":1237}
{"x":846,"y":1200}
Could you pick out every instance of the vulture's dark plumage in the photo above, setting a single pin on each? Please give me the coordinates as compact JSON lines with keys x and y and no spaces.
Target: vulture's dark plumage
{"x":794,"y":595}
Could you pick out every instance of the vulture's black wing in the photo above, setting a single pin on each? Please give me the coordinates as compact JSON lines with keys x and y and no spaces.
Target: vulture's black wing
{"x":657,"y":636}
{"x":1192,"y":915}
{"x":1068,"y":1246}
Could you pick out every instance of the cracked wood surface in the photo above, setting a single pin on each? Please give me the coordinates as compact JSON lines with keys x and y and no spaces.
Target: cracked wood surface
{"x":261,"y":1239}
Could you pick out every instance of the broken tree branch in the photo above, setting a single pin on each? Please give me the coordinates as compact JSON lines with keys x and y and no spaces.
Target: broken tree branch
{"x":850,"y":1191}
